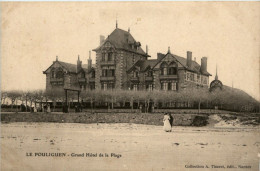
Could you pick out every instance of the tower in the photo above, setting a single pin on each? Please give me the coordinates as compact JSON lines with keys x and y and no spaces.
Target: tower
{"x":89,"y":61}
{"x":78,"y":64}
{"x":216,"y":76}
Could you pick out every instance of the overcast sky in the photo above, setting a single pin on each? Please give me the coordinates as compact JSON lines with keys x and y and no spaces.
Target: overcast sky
{"x":33,"y":33}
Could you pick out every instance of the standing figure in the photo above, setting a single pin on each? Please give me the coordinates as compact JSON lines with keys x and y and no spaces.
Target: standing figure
{"x":171,"y":119}
{"x":48,"y":108}
{"x":166,"y":123}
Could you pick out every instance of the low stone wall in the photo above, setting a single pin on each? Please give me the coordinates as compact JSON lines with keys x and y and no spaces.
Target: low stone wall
{"x":137,"y":118}
{"x":191,"y":111}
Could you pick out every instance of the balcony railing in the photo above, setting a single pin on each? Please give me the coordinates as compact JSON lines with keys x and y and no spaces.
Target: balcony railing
{"x":168,"y":76}
{"x":107,"y":62}
{"x":56,"y":80}
{"x":82,"y":80}
{"x":148,"y":78}
{"x":102,"y":78}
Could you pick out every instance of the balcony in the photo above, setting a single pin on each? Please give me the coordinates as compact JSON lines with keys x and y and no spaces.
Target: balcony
{"x":168,"y":77}
{"x":107,"y":78}
{"x":107,"y":62}
{"x":134,"y":79}
{"x":82,"y":80}
{"x":148,"y":78}
{"x":56,"y":80}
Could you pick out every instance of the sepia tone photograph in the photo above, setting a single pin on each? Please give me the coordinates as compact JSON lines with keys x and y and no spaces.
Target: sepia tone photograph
{"x":130,"y":86}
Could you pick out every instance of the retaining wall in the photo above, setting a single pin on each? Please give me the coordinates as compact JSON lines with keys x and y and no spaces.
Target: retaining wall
{"x":137,"y":118}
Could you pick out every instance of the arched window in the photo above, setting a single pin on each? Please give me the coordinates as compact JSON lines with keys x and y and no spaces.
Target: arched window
{"x":172,"y":69}
{"x":164,"y":67}
{"x":59,"y":73}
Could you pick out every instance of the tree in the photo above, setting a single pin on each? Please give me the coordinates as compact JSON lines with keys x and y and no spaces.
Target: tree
{"x":4,"y":95}
{"x":14,"y":95}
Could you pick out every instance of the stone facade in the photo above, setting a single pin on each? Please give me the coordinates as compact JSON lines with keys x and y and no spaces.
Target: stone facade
{"x":122,"y":64}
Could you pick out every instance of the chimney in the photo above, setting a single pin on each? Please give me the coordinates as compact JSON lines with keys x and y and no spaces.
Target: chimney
{"x":203,"y":64}
{"x":102,"y":39}
{"x":89,"y":61}
{"x":78,"y":65}
{"x":146,"y":49}
{"x":57,"y":58}
{"x":189,"y":59}
{"x":160,"y":56}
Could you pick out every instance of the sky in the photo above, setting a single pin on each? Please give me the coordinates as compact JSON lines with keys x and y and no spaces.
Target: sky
{"x":34,"y":33}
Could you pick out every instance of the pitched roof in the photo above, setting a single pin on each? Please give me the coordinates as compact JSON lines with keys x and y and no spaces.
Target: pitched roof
{"x":144,"y":64}
{"x":70,"y":67}
{"x":195,"y":67}
{"x":85,"y":67}
{"x":122,"y":39}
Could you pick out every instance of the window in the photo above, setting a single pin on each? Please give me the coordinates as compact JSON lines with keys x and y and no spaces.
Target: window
{"x":135,"y":87}
{"x":52,"y":74}
{"x":198,"y":78}
{"x":195,"y":77}
{"x":173,"y":69}
{"x":104,"y":86}
{"x":59,"y":73}
{"x":93,"y":74}
{"x":150,"y":73}
{"x":110,"y":56}
{"x":135,"y":74}
{"x":192,"y":77}
{"x":103,"y":56}
{"x":164,"y":69}
{"x":82,"y":75}
{"x":188,"y":76}
{"x":149,"y":87}
{"x":133,"y":61}
{"x":104,"y":72}
{"x":110,"y":86}
{"x":164,"y":86}
{"x":92,"y":86}
{"x":173,"y":86}
{"x":204,"y":80}
{"x":111,"y":73}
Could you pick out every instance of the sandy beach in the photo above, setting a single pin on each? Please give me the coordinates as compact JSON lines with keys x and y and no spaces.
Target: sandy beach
{"x":69,"y":146}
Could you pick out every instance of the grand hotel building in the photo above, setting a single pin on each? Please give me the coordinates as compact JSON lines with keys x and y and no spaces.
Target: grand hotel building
{"x":121,"y":63}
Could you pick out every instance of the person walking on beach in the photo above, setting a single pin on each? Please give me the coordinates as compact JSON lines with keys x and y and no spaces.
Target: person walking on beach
{"x":166,"y":123}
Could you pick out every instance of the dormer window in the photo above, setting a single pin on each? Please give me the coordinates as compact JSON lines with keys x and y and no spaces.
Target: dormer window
{"x":52,"y":74}
{"x":59,"y":73}
{"x":82,"y":75}
{"x":110,"y":56}
{"x":172,"y":69}
{"x":164,"y":68}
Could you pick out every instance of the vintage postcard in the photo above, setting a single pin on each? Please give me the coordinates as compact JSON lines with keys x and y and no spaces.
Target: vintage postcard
{"x":130,"y":86}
